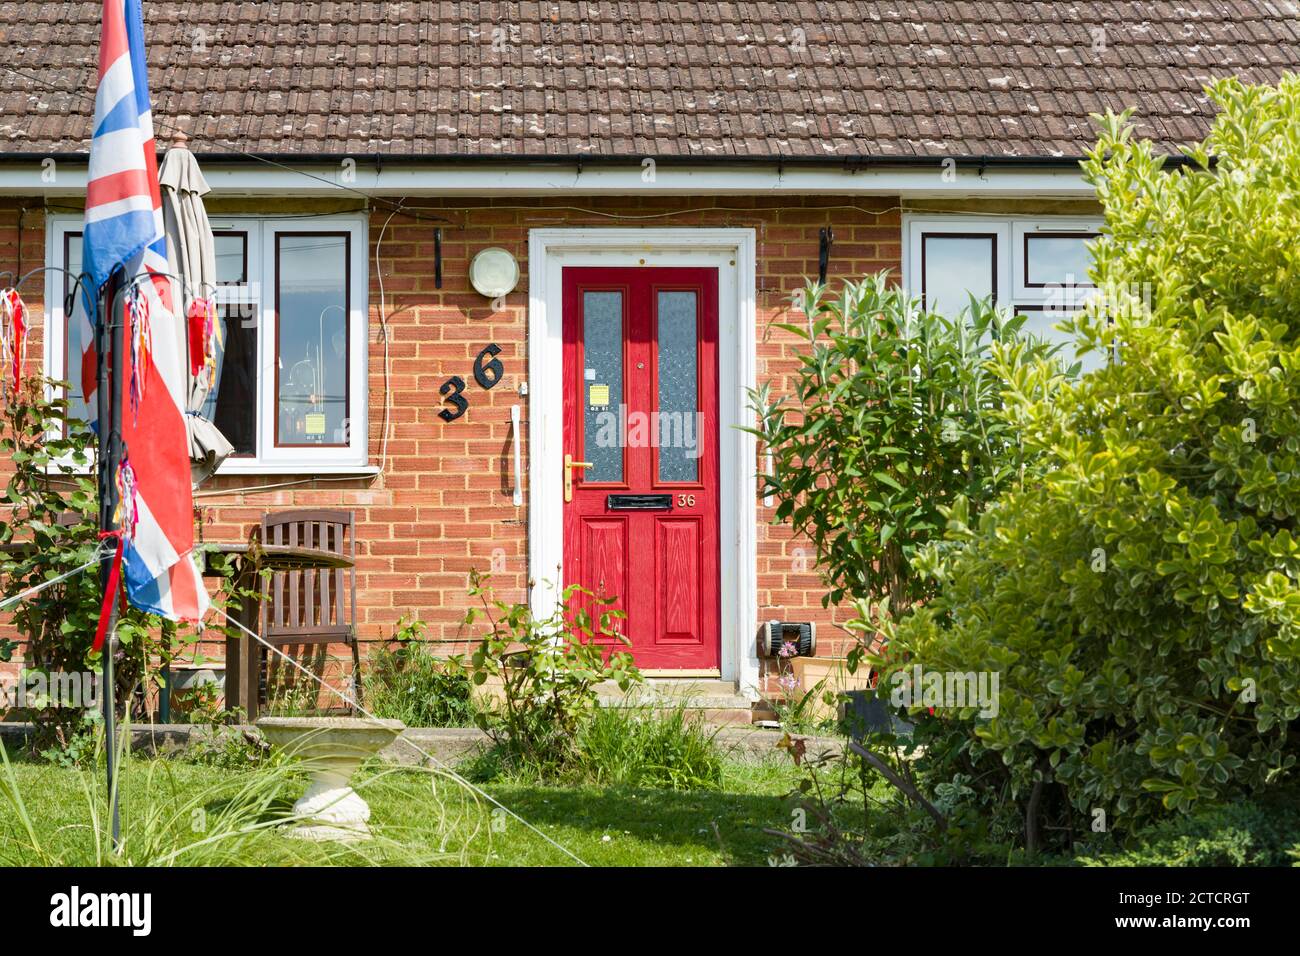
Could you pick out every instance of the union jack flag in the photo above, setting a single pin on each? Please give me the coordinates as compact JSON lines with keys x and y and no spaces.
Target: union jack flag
{"x":124,"y":230}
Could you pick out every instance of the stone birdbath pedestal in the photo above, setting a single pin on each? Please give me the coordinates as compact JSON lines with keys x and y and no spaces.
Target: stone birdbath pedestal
{"x":332,"y":748}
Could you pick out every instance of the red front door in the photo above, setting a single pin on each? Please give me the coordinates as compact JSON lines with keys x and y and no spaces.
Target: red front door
{"x":641,"y":421}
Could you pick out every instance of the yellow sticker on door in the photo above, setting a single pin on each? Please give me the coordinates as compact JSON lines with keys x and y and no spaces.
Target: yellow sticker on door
{"x":598,"y":396}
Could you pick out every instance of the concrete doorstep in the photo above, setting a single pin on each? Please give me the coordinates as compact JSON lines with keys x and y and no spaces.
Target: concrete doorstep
{"x":447,"y":745}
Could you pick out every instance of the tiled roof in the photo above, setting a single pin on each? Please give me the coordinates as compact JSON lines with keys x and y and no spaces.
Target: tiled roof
{"x":803,"y":79}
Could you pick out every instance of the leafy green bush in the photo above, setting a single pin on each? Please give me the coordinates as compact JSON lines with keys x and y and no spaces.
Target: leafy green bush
{"x":895,"y":417}
{"x":201,"y":704}
{"x":1139,"y":596}
{"x":51,"y":502}
{"x":411,"y":684}
{"x":892,"y":419}
{"x":636,"y":747}
{"x":1261,"y":832}
{"x":547,"y":669}
{"x":75,"y":747}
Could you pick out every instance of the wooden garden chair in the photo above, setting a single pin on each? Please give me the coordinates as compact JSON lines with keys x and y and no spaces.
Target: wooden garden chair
{"x":312,"y":606}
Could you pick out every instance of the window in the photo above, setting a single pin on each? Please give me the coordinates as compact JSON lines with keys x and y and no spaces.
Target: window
{"x":955,"y":266}
{"x":290,"y":392}
{"x":70,"y":246}
{"x":1036,"y":268}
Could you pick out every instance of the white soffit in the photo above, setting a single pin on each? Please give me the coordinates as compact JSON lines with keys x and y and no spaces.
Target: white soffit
{"x":494,"y":179}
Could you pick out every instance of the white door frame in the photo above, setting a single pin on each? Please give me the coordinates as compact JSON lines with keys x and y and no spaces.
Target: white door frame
{"x":733,"y":252}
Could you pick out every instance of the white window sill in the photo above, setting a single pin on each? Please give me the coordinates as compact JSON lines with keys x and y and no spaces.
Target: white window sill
{"x":298,"y":470}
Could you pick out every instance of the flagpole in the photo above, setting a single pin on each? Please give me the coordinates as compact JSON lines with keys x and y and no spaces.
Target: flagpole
{"x":109,"y":371}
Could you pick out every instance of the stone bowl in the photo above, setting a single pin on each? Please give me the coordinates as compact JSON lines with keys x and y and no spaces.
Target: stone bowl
{"x":326,"y":737}
{"x":332,"y":748}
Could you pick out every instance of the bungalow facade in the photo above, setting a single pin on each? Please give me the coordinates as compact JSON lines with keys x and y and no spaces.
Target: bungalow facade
{"x":496,"y":277}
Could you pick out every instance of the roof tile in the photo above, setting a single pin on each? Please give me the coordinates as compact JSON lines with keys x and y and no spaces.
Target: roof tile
{"x":825,"y":79}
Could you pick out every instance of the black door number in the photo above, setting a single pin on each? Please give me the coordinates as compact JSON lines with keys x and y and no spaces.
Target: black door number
{"x":455,"y":385}
{"x":487,"y":373}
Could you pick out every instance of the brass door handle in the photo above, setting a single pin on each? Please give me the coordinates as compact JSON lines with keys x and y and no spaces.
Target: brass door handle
{"x":569,"y":465}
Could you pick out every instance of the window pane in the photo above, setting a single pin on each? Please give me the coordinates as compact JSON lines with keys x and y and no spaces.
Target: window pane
{"x":955,"y":266}
{"x":679,"y":437}
{"x":72,"y":348}
{"x":312,"y":339}
{"x":232,"y":403}
{"x":232,"y":257}
{"x":72,"y":242}
{"x":1040,"y":322}
{"x":602,"y":384}
{"x":1057,"y":260}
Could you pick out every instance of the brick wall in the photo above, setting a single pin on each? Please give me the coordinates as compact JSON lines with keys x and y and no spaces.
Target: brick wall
{"x":443,"y":504}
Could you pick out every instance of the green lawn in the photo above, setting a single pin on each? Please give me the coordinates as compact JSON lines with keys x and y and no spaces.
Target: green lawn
{"x":176,"y":812}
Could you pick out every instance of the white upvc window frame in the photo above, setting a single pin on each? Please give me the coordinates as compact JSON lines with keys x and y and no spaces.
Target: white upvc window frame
{"x":916,"y":230}
{"x":260,"y":288}
{"x":1012,"y":290}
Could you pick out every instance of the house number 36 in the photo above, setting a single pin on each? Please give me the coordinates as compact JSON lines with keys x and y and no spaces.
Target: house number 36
{"x":686,"y":501}
{"x":487,"y":372}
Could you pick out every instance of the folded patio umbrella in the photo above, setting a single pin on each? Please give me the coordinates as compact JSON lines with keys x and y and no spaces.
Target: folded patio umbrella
{"x":191,"y":251}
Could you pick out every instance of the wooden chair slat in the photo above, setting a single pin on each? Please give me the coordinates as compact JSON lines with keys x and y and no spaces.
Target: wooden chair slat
{"x":316,"y":606}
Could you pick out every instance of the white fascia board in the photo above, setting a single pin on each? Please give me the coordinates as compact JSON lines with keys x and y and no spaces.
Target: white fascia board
{"x":491,"y":179}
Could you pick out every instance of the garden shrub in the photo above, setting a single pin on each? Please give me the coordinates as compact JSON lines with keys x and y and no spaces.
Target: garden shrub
{"x":894,"y":417}
{"x":408,"y":682}
{"x":229,"y":748}
{"x":1138,"y":595}
{"x":73,"y":747}
{"x":891,"y":420}
{"x":1260,"y":832}
{"x":201,"y":704}
{"x":51,"y":500}
{"x":548,"y":668}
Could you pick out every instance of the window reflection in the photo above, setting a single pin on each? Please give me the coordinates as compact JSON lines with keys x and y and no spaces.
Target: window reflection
{"x":1057,"y":260}
{"x":956,"y":267}
{"x":232,"y":403}
{"x":602,"y":384}
{"x":72,"y":371}
{"x":231,"y":250}
{"x":311,"y":338}
{"x":679,"y":427}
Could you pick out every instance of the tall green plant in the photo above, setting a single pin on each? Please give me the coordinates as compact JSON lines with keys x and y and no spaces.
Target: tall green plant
{"x":1141,"y":600}
{"x":892,"y":417}
{"x":547,"y":669}
{"x":408,"y":682}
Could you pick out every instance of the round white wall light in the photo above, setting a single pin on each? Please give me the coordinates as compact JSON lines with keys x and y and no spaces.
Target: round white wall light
{"x":494,"y":272}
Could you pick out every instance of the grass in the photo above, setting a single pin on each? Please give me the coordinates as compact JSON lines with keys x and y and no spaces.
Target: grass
{"x":625,"y":746}
{"x":186,"y":814}
{"x":639,"y":748}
